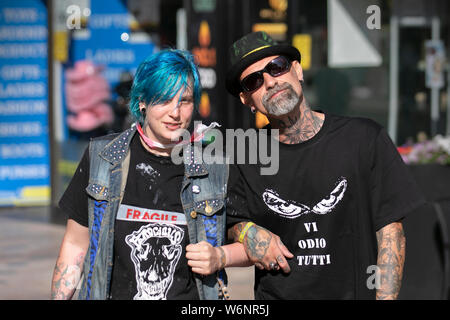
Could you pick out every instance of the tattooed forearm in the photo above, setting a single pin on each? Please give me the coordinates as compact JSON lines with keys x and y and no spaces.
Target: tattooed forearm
{"x":391,"y":258}
{"x":263,"y":248}
{"x":235,"y":231}
{"x":66,"y":277}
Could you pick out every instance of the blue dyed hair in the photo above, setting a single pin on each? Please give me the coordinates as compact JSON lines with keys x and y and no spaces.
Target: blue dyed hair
{"x":159,"y":78}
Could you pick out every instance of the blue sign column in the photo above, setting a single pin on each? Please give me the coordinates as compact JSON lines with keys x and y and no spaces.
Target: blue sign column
{"x":24,"y":145}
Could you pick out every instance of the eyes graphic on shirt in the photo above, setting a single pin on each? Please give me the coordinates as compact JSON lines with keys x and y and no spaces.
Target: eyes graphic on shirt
{"x":273,"y":201}
{"x":291,"y":209}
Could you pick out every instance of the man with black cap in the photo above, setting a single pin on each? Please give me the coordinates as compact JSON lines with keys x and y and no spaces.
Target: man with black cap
{"x":338,"y":198}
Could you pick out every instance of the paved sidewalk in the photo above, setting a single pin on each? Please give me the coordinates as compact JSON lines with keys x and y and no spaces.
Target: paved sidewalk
{"x":28,"y":252}
{"x":29,"y":246}
{"x":240,"y":283}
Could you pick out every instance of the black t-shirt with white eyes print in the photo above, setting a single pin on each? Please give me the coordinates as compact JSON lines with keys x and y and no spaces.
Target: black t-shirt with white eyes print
{"x":329,"y":197}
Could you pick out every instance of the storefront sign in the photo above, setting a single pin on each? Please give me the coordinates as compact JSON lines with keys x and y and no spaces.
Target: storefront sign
{"x":24,"y":146}
{"x":108,"y":40}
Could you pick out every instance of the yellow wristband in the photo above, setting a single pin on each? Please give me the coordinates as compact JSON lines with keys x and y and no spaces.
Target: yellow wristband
{"x":244,"y":231}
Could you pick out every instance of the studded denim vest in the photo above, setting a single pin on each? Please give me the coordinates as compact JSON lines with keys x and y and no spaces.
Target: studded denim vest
{"x":202,"y":196}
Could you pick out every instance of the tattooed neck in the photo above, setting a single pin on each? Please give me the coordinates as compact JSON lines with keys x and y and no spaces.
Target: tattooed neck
{"x":299,"y":126}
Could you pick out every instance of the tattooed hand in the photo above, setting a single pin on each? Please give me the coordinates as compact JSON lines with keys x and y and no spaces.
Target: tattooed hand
{"x":262,"y":247}
{"x":391,"y":258}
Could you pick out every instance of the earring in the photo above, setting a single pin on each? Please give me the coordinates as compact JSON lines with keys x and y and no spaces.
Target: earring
{"x":253,"y":110}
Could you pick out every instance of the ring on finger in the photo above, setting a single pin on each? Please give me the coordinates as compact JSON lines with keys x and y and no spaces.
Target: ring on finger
{"x":273,"y":265}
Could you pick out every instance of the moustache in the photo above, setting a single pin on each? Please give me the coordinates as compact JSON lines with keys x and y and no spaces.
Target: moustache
{"x":275,"y":90}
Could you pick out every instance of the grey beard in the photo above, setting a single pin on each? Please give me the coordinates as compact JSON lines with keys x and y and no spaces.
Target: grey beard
{"x":282,"y":104}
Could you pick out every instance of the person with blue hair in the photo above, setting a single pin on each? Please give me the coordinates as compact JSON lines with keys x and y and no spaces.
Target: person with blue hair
{"x":161,"y":76}
{"x":133,"y":214}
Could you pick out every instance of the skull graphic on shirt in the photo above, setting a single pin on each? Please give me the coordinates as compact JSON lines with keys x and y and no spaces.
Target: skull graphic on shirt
{"x":156,"y":249}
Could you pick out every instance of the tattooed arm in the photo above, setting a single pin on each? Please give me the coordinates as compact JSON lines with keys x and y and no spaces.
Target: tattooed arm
{"x":391,"y":257}
{"x":69,"y":264}
{"x":262,"y":246}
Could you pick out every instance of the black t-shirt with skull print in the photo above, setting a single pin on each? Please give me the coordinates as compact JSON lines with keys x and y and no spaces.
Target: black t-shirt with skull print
{"x":150,"y":230}
{"x":326,"y":202}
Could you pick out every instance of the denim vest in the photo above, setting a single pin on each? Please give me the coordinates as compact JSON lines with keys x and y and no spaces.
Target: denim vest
{"x":202,"y":195}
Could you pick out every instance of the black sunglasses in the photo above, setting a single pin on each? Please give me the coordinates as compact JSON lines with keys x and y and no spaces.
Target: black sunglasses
{"x":277,"y":67}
